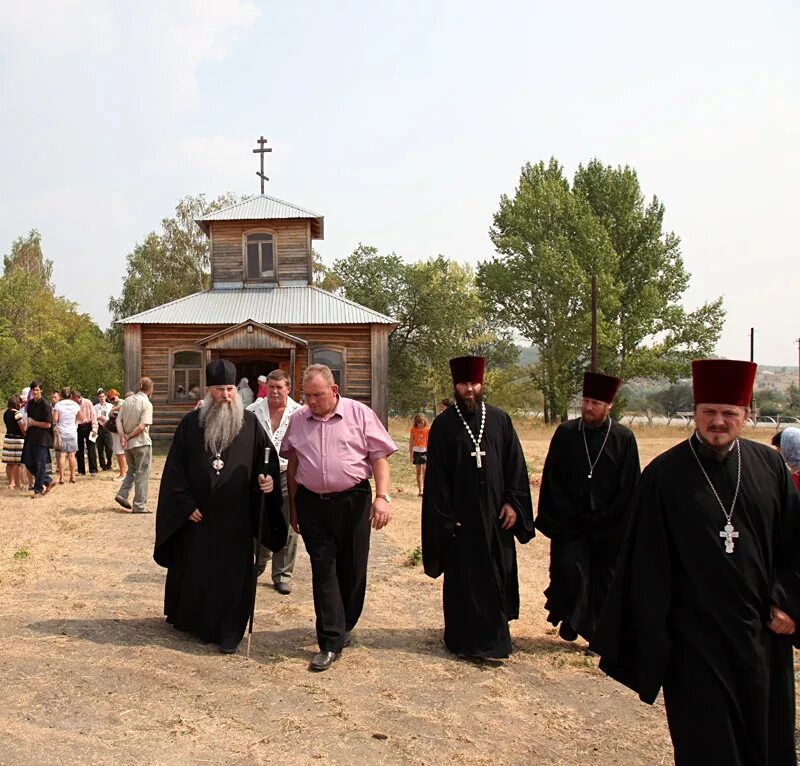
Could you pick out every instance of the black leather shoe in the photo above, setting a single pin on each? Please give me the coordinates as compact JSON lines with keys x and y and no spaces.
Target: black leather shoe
{"x":229,"y":644}
{"x":348,"y":638}
{"x":284,"y":588}
{"x":566,"y":631}
{"x":322,"y":661}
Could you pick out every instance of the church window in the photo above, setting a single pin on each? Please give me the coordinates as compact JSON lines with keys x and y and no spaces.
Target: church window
{"x":259,"y":255}
{"x":185,"y":376}
{"x":333,"y":358}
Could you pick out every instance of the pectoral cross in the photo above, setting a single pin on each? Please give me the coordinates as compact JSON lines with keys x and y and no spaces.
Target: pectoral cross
{"x":729,"y":535}
{"x":477,"y":455}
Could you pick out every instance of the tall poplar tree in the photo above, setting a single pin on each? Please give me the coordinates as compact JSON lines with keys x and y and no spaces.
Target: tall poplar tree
{"x":551,"y":238}
{"x":548,"y":245}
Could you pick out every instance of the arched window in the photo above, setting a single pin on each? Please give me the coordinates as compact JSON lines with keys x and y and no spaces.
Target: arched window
{"x":185,"y":376}
{"x":259,"y":255}
{"x":333,"y":357}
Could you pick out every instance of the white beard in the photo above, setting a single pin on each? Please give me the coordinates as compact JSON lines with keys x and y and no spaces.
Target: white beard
{"x":221,"y":423}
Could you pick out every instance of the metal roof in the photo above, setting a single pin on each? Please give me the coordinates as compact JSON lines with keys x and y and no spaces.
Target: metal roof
{"x":263,"y":208}
{"x":275,"y":306}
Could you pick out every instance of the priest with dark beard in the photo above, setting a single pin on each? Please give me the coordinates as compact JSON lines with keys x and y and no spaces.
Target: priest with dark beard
{"x":220,"y":468}
{"x":706,"y":598}
{"x":589,"y":476}
{"x":476,"y":500}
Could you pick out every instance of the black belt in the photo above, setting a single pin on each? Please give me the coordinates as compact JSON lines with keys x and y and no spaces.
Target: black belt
{"x":357,"y":489}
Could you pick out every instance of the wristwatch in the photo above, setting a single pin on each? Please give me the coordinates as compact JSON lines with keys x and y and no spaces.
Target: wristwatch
{"x":385,"y":497}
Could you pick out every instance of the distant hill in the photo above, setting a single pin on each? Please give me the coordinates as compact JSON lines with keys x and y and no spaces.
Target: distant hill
{"x":775,"y":377}
{"x":769,"y":376}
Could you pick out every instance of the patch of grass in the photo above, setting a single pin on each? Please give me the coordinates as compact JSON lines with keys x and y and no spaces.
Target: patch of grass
{"x":21,"y":554}
{"x":414,"y":557}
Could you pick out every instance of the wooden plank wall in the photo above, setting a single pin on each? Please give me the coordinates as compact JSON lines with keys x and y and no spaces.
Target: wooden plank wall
{"x":132,"y":356}
{"x":380,"y":366}
{"x":356,"y":339}
{"x":157,"y":341}
{"x":292,"y":239}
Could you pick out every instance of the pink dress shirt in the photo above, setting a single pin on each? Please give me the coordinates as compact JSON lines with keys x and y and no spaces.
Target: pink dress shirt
{"x":89,"y":415}
{"x":336,"y":453}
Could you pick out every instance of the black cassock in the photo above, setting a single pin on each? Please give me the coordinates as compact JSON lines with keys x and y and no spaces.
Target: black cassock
{"x":478,"y":558}
{"x":585,"y":518}
{"x":684,"y":615}
{"x":209,"y":589}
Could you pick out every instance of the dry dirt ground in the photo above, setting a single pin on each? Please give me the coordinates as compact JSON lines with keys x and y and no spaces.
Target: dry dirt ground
{"x":91,"y":674}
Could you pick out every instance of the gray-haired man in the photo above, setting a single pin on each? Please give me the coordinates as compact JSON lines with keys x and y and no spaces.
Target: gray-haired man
{"x":273,"y":412}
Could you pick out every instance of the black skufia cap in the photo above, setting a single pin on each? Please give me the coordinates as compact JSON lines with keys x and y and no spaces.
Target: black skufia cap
{"x":221,"y":372}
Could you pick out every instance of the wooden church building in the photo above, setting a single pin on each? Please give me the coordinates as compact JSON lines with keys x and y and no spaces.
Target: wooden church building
{"x":262,"y":312}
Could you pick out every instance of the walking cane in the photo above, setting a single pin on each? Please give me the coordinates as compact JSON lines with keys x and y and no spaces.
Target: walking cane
{"x":256,"y":551}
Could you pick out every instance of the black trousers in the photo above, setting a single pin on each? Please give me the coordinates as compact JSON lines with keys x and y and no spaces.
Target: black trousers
{"x":336,"y":535}
{"x":105,"y":448}
{"x":84,"y":429}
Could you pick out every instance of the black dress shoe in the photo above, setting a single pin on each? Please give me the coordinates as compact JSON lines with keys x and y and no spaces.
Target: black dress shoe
{"x":229,"y":644}
{"x":322,"y":661}
{"x":284,"y":588}
{"x":348,"y":639}
{"x":566,"y":631}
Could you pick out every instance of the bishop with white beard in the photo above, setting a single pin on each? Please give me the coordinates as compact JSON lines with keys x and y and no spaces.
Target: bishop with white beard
{"x":220,"y":465}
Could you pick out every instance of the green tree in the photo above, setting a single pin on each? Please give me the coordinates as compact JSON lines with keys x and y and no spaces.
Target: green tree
{"x":793,"y":397}
{"x":552,"y":238}
{"x":769,"y":401}
{"x":169,"y":265}
{"x":653,"y":335}
{"x":44,"y":336}
{"x":672,"y":399}
{"x":439,"y":314}
{"x":512,"y":389}
{"x":26,"y":257}
{"x":548,"y":245}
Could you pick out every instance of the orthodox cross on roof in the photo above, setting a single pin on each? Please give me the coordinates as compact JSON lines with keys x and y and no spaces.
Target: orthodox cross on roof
{"x":262,"y":150}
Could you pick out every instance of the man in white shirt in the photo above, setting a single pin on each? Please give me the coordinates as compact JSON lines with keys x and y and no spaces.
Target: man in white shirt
{"x":133,"y":426}
{"x":273,"y":413}
{"x":105,"y":443}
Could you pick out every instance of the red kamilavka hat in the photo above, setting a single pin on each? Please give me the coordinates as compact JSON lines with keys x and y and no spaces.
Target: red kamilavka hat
{"x":467,"y":369}
{"x":723,"y":381}
{"x":601,"y":387}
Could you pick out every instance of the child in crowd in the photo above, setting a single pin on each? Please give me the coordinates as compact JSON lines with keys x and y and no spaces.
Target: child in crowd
{"x":418,"y":448}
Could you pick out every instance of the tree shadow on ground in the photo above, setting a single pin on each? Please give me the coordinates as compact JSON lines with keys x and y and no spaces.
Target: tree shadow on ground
{"x":272,"y":646}
{"x":148,"y":631}
{"x":426,"y":641}
{"x":267,"y":647}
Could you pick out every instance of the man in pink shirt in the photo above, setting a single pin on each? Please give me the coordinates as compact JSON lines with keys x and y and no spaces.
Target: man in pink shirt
{"x":334,"y":445}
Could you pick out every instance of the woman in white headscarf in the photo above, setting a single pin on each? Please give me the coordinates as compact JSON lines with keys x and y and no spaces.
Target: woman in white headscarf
{"x":245,"y":392}
{"x":790,"y":450}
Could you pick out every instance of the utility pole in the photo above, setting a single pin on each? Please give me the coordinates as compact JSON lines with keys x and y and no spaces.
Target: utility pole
{"x":798,"y":362}
{"x":752,"y":359}
{"x":594,"y":323}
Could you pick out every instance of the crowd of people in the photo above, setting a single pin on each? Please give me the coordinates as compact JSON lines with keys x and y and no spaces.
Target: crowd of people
{"x":52,"y":440}
{"x":683,"y":578}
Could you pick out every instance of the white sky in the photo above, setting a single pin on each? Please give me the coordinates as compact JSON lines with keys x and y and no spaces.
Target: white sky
{"x":403,"y":124}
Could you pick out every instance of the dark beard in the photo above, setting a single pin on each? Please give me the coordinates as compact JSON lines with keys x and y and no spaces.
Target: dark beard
{"x":466,"y":406}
